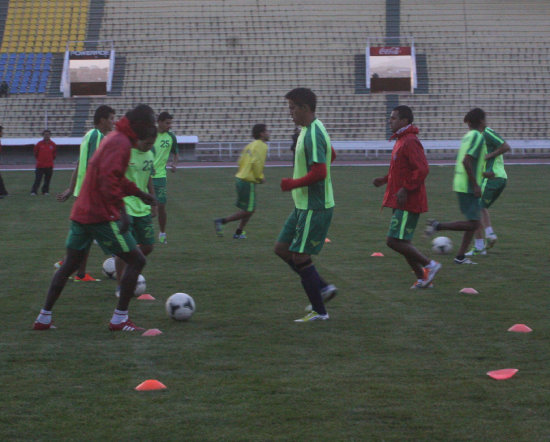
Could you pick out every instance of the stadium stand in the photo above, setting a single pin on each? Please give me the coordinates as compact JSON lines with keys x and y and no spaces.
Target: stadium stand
{"x":221,"y":66}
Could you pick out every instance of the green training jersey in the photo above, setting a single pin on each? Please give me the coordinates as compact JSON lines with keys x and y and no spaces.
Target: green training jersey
{"x":473,"y":144}
{"x":89,"y":144}
{"x":140,"y":169}
{"x":313,"y":146}
{"x":496,"y":164}
{"x":165,"y":144}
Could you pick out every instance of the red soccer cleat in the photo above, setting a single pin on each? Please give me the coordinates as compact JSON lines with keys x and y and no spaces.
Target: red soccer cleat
{"x":40,"y":326}
{"x":125,"y":326}
{"x":87,"y":278}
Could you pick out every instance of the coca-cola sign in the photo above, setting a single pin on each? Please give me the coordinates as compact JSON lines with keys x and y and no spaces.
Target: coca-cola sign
{"x":390,"y":51}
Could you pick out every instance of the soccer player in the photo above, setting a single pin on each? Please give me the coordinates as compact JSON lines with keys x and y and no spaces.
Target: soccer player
{"x":406,"y":194}
{"x":306,"y":228}
{"x":140,"y":171}
{"x":494,"y":182}
{"x":165,"y":145}
{"x":104,"y":118}
{"x":44,"y":152}
{"x":470,"y":164}
{"x":96,"y":211}
{"x":251,"y":172}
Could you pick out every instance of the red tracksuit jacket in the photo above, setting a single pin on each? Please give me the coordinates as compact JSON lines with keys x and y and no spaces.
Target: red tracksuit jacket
{"x":408,"y":169}
{"x":45,"y":151}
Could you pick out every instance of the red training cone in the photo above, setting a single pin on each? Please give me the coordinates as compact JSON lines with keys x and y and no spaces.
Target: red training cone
{"x":469,"y":291}
{"x":377,"y":254}
{"x":152,"y":332}
{"x":146,"y":297}
{"x":150,"y":385}
{"x":505,"y":373}
{"x":520,"y":328}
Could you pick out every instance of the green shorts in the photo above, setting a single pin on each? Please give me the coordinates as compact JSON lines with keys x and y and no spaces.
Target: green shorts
{"x":469,"y":206}
{"x":491,"y":188}
{"x":107,"y":235}
{"x":142,"y":229}
{"x":246,"y":195}
{"x":306,"y":230}
{"x":402,"y":224}
{"x":160,"y":189}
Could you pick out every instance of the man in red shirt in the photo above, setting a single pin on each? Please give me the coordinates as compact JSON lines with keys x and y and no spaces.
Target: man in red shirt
{"x":98,"y":213}
{"x":44,"y":152}
{"x":406,"y":194}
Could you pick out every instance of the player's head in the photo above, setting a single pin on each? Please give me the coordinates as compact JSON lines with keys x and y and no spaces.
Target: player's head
{"x":104,"y":118}
{"x":301,"y":104}
{"x":46,"y":134}
{"x":142,"y":120}
{"x":1,"y":130}
{"x":260,"y":132}
{"x":475,"y":119}
{"x":164,"y":121}
{"x":400,"y":116}
{"x":146,"y":144}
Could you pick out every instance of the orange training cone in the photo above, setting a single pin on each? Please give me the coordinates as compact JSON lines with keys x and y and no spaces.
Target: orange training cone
{"x":377,"y":254}
{"x":146,"y":297}
{"x":469,"y":291}
{"x":520,"y":328}
{"x":152,"y":332}
{"x":150,"y":385}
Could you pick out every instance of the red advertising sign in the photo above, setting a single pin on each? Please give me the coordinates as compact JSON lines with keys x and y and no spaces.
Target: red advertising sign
{"x":390,"y":50}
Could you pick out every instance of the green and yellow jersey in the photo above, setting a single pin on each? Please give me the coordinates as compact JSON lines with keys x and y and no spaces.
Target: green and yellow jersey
{"x":493,"y":142}
{"x":252,"y":161}
{"x":140,"y":169}
{"x":472,"y":144}
{"x":165,"y":144}
{"x":313,"y":146}
{"x":89,"y":144}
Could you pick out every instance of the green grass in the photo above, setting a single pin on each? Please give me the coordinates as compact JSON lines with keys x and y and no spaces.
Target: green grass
{"x":391,"y":364}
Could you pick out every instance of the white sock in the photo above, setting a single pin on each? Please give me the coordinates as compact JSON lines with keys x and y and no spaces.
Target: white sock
{"x":45,"y":317}
{"x":119,"y":316}
{"x":431,"y":264}
{"x":480,"y":244}
{"x":161,"y":234}
{"x":489,"y":231}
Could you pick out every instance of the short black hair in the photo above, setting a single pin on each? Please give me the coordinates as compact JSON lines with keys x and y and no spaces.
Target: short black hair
{"x":163,"y":116}
{"x":142,"y":120}
{"x":46,"y":130}
{"x":102,"y":111}
{"x":405,"y":113}
{"x":474,"y":117}
{"x":257,"y":130}
{"x":302,"y":96}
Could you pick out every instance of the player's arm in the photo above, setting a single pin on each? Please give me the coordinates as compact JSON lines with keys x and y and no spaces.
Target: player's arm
{"x":418,"y":164}
{"x":258,"y":165}
{"x":468,"y":162}
{"x":504,"y":147}
{"x":175,"y":158}
{"x":64,"y":196}
{"x":318,"y":172}
{"x":154,"y":210}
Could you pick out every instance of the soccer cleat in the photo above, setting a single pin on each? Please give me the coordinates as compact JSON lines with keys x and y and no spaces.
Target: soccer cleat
{"x":125,"y":326}
{"x":327,"y":293}
{"x":239,"y":235}
{"x":313,"y":316}
{"x":431,"y":227}
{"x":58,"y":264}
{"x":475,"y":252}
{"x":87,"y":278}
{"x":218,"y":227}
{"x":429,"y":273}
{"x":33,"y":193}
{"x":464,"y":261}
{"x":162,"y":238}
{"x":419,"y":285}
{"x":491,"y":240}
{"x":41,"y":326}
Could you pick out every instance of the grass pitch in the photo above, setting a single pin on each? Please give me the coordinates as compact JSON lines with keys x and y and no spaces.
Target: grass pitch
{"x":391,"y":364}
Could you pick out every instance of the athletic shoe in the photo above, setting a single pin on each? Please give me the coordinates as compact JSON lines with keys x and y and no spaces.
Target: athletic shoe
{"x":430,"y":272}
{"x":218,"y":227}
{"x":125,"y":326}
{"x":58,"y":264}
{"x":239,"y":235}
{"x":327,"y":293}
{"x":313,"y":316}
{"x":491,"y":240}
{"x":475,"y":252}
{"x":40,"y":326}
{"x":87,"y":278}
{"x":418,"y":285}
{"x":162,"y":238}
{"x":45,"y":193}
{"x":431,"y":227}
{"x":464,"y":261}
{"x":33,"y":193}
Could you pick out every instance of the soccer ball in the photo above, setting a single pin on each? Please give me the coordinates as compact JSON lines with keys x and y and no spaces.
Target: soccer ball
{"x":109,"y":269}
{"x":140,"y":286}
{"x":442,"y":245}
{"x":180,"y":306}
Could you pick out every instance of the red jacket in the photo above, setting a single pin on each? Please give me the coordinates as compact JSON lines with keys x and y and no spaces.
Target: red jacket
{"x":105,"y":185}
{"x":45,"y":151}
{"x":408,"y":169}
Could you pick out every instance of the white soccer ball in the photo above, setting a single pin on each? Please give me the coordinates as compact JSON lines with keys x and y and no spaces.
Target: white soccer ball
{"x":180,"y":306}
{"x":109,"y":269}
{"x":140,"y":286}
{"x":442,"y":245}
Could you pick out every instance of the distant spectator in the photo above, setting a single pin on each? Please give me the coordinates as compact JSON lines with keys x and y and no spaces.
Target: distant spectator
{"x":4,"y":88}
{"x":3,"y":191}
{"x":44,"y":151}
